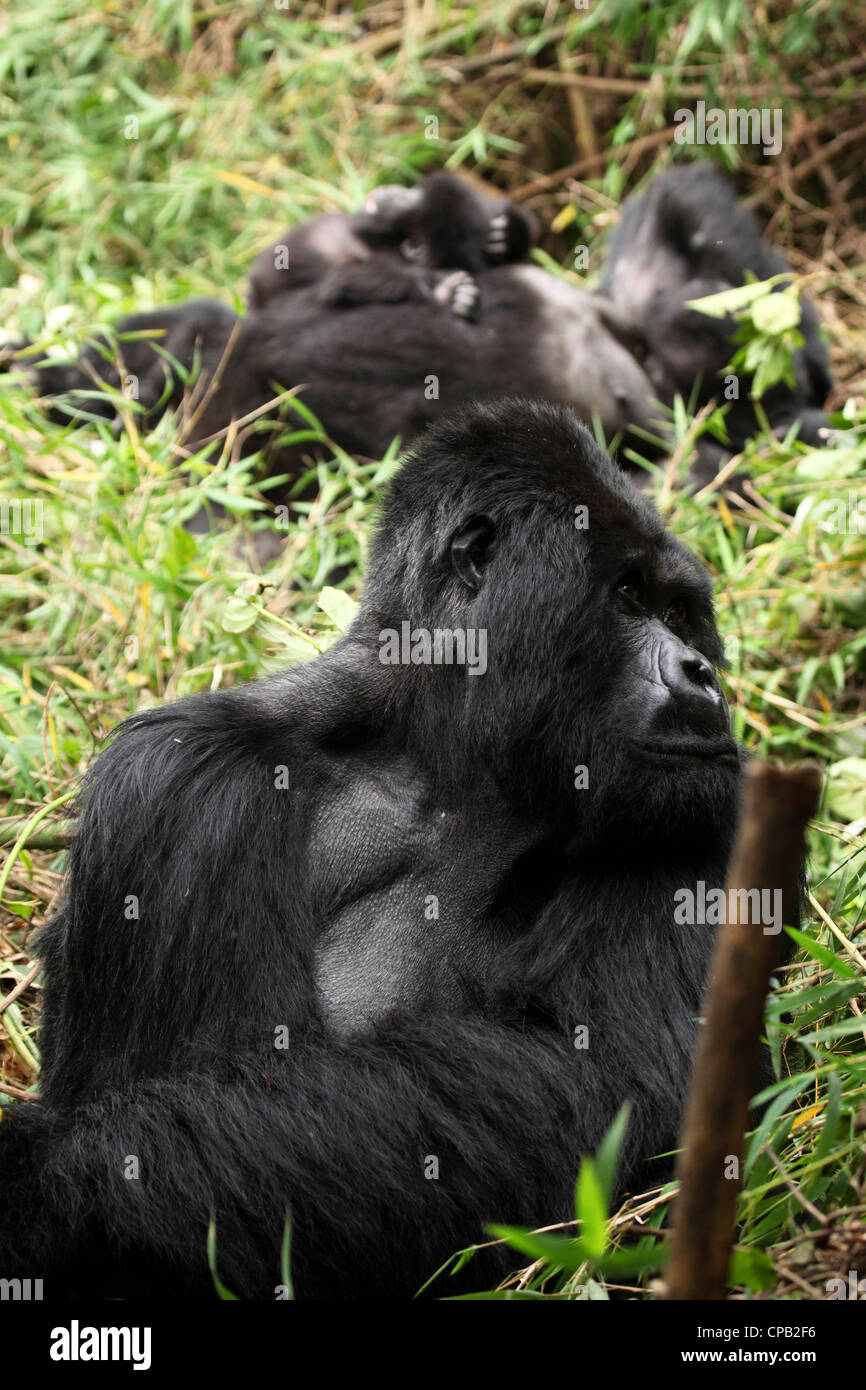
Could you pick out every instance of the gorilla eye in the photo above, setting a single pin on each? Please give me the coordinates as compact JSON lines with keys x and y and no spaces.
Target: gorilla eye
{"x":633,"y":586}
{"x":678,"y":613}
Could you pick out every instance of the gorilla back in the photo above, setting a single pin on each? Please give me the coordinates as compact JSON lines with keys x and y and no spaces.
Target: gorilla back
{"x":330,"y":927}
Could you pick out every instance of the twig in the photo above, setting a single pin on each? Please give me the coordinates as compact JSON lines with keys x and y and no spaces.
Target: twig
{"x":768,"y":854}
{"x":837,"y":932}
{"x":793,"y":1188}
{"x":55,"y":836}
{"x":21,"y":985}
{"x":585,"y":166}
{"x":17,"y":1092}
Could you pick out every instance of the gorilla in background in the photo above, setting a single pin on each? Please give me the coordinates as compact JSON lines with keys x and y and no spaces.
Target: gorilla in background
{"x":406,"y":245}
{"x":329,"y":927}
{"x":370,"y":366}
{"x":386,"y":253}
{"x":336,"y":326}
{"x":380,"y":370}
{"x":684,"y":238}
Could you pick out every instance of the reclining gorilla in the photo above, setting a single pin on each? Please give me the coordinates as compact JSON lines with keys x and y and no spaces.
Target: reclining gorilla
{"x":329,"y":927}
{"x":385,"y":370}
{"x":336,"y":321}
{"x":406,"y":244}
{"x":682,"y":239}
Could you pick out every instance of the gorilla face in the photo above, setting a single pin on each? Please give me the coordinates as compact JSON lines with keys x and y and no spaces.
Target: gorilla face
{"x":601,"y":646}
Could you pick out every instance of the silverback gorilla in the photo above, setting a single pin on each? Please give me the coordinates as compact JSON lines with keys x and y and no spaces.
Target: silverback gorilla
{"x":329,"y":926}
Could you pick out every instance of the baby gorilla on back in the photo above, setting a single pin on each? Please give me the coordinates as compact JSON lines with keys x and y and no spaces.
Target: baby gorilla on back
{"x":373,"y":319}
{"x":406,"y":243}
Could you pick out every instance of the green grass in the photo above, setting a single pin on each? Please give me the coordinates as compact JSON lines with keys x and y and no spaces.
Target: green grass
{"x":248,"y":118}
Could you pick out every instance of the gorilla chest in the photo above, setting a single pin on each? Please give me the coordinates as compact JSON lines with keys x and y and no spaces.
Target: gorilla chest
{"x":401,"y":922}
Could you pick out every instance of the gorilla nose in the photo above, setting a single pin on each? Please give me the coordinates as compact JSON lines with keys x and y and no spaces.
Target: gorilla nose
{"x":699,"y":671}
{"x":697,"y":696}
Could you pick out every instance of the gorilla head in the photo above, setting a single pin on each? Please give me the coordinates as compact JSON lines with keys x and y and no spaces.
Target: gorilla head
{"x":599,"y":638}
{"x":683,"y":238}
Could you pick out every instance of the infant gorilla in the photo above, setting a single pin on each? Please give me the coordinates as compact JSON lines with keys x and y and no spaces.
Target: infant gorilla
{"x":406,"y":244}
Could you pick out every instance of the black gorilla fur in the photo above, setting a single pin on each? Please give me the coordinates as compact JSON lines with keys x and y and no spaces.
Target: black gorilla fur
{"x":684,"y":238}
{"x":411,"y":1034}
{"x":407,"y":244}
{"x":380,"y":370}
{"x":386,"y":252}
{"x":133,"y":359}
{"x":336,"y":320}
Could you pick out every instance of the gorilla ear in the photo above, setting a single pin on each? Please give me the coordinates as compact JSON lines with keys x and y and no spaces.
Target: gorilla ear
{"x":471,"y":548}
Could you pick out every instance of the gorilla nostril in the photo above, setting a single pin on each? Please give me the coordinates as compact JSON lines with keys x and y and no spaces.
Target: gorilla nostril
{"x":699,"y":670}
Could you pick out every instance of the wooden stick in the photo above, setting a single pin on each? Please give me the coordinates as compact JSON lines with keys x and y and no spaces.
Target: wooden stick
{"x":768,"y":854}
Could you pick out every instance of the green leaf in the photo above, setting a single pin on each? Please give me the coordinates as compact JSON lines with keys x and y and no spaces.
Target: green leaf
{"x":771,"y":1115}
{"x":295,"y":650}
{"x":221,"y":1291}
{"x":340,"y":607}
{"x":233,"y":501}
{"x":562,"y":1251}
{"x":607,"y":1157}
{"x":834,"y":1031}
{"x":644,"y":1258}
{"x":751,"y":1268}
{"x":822,"y":954}
{"x":740,"y":297}
{"x":828,"y":463}
{"x":181,"y":548}
{"x":830,"y":1126}
{"x":776,"y":314}
{"x":238,"y":616}
{"x":846,"y":788}
{"x":591,"y":1209}
{"x":285,"y":1260}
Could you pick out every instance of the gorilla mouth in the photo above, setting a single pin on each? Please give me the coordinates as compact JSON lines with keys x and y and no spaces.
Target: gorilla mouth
{"x":722,"y":750}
